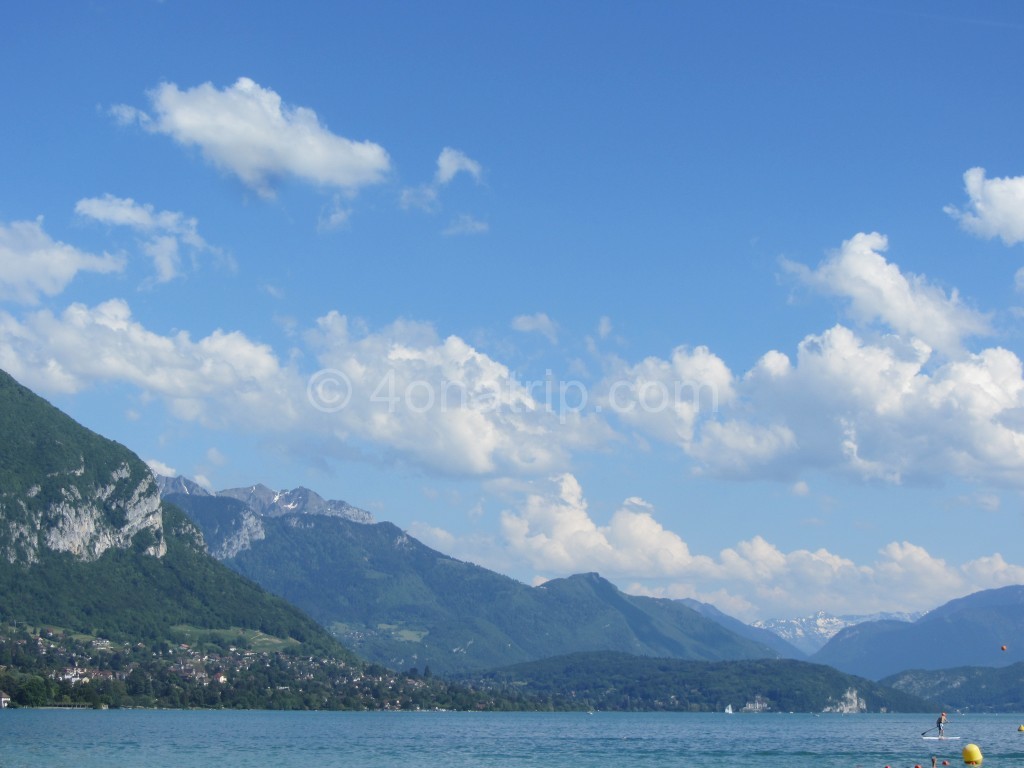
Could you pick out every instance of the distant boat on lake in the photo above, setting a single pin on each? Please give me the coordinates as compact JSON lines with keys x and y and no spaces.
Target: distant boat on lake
{"x":728,"y":709}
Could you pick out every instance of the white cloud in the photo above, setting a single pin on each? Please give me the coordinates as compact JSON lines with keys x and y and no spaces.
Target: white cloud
{"x":439,"y":402}
{"x":158,"y":467}
{"x":247,"y":130}
{"x":163,"y":232}
{"x":879,"y":411}
{"x":995,"y":209}
{"x":537,"y":323}
{"x":740,"y":448}
{"x":604,"y":327}
{"x":882,"y":410}
{"x":464,"y":224}
{"x":411,"y":396}
{"x":552,"y":531}
{"x":452,"y":162}
{"x":427,"y":197}
{"x":222,"y":379}
{"x":666,"y":398}
{"x":32,"y":264}
{"x":879,"y":291}
{"x":1018,"y":280}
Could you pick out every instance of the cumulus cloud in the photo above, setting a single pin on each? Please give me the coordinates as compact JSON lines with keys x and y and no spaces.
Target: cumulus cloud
{"x":537,"y":323}
{"x":164,"y":233}
{"x":249,"y":131}
{"x":879,"y":411}
{"x":553,"y":532}
{"x":439,"y":401}
{"x":409,"y":395}
{"x":879,"y":291}
{"x":33,"y":264}
{"x":219,"y":380}
{"x":995,"y":207}
{"x":666,"y":398}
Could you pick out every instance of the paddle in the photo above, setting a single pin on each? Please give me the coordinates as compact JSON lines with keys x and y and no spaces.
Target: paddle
{"x":930,"y":729}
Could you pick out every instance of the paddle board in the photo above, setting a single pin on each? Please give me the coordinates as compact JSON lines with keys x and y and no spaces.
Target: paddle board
{"x":941,"y":738}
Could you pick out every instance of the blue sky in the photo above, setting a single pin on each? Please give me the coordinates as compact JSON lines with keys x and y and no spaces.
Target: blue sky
{"x":721,"y":300}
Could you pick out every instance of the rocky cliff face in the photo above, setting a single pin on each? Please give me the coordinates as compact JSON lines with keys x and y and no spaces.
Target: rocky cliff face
{"x":81,"y":525}
{"x":64,"y":488}
{"x":234,"y":519}
{"x":82,"y":518}
{"x":247,"y":529}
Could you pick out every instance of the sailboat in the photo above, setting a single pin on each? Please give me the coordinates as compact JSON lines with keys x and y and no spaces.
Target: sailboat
{"x":728,"y":709}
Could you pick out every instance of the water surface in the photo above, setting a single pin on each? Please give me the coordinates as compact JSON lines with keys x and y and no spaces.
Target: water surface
{"x":229,"y":739}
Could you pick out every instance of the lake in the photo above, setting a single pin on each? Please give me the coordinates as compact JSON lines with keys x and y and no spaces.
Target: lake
{"x":230,"y":739}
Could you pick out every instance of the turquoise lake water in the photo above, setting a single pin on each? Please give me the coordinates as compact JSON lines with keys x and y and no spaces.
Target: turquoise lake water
{"x":158,"y":739}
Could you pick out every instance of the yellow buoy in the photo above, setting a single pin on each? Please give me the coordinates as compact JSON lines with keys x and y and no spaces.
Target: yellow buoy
{"x":1020,"y":727}
{"x":972,"y":755}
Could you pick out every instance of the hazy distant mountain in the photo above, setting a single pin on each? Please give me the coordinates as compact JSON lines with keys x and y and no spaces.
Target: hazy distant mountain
{"x":179,"y":484}
{"x":270,"y":503}
{"x":783,"y":647}
{"x":969,"y":631}
{"x":398,"y":602}
{"x":232,"y":519}
{"x":810,"y":633}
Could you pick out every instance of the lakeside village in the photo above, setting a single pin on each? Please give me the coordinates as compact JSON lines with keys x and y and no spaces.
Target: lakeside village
{"x":246,"y":669}
{"x":48,"y":667}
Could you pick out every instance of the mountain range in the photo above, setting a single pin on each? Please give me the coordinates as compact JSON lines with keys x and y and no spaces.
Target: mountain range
{"x":109,"y":598}
{"x":810,"y":633}
{"x":980,"y":630}
{"x":92,"y":546}
{"x":398,"y":602}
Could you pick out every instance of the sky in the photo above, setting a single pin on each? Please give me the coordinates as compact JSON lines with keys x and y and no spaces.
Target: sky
{"x":721,"y":300}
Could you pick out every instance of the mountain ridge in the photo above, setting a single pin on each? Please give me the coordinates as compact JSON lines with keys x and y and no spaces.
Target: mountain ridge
{"x":968,"y":631}
{"x":100,"y":576}
{"x":401,"y":603}
{"x":811,"y":633}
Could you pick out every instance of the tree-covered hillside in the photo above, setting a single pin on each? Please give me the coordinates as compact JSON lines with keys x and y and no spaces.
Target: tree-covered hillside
{"x":400,"y":603}
{"x":975,"y":689}
{"x":107,"y":595}
{"x":615,"y":681}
